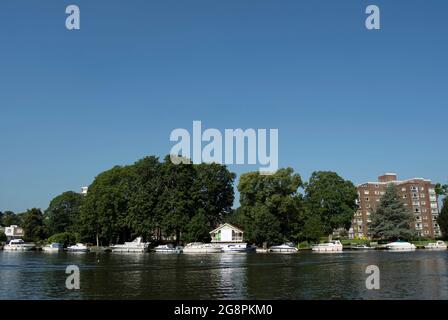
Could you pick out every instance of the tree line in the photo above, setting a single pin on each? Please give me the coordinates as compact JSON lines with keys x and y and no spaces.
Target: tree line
{"x":161,"y":200}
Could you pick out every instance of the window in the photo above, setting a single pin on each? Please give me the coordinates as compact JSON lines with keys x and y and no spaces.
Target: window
{"x":403,"y":189}
{"x":366,"y":191}
{"x":367,"y":198}
{"x":417,"y":210}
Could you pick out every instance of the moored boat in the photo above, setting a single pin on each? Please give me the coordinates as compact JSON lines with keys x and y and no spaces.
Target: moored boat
{"x":331,"y":246}
{"x":52,"y":247}
{"x":361,"y":247}
{"x":19,"y":245}
{"x":438,"y":245}
{"x":400,"y":246}
{"x":284,"y":248}
{"x":168,"y":248}
{"x":238,"y":247}
{"x":199,"y":247}
{"x":136,"y":246}
{"x":79,"y":247}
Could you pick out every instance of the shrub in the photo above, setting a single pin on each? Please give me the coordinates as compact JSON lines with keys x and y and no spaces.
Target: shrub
{"x":64,"y":238}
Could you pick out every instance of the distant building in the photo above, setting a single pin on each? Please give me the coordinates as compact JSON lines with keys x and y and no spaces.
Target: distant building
{"x":14,"y":232}
{"x":417,"y":194}
{"x":227,"y":233}
{"x":84,"y":190}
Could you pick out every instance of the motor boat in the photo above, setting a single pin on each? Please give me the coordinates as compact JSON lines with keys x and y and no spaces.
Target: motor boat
{"x":52,"y":247}
{"x":331,"y":246}
{"x":238,"y":247}
{"x":361,"y":247}
{"x":199,"y":247}
{"x":438,"y":245}
{"x":400,"y":246}
{"x":284,"y":248}
{"x":19,"y":245}
{"x":79,"y":247}
{"x":168,"y":248}
{"x":134,"y":246}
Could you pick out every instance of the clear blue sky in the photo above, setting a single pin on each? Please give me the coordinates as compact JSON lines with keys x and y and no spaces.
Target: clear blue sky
{"x":359,"y":102}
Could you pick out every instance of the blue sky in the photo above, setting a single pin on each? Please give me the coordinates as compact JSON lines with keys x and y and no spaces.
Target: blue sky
{"x":358,"y":102}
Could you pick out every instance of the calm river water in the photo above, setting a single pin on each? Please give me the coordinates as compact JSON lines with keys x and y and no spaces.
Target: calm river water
{"x":306,"y":275}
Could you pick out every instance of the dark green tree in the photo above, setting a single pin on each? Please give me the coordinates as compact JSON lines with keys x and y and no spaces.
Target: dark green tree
{"x":332,"y":199}
{"x":213,"y":191}
{"x":62,"y":214}
{"x":197,"y":228}
{"x":10,"y":218}
{"x":3,"y":237}
{"x":271,"y":206}
{"x":313,"y":229}
{"x":105,"y":207}
{"x":392,"y":220}
{"x":442,"y":220}
{"x":176,"y":205}
{"x":441,"y":190}
{"x":33,"y":225}
{"x":142,"y":218}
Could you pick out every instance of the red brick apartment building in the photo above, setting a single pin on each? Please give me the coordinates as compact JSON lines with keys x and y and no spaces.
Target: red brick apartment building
{"x":418,"y":195}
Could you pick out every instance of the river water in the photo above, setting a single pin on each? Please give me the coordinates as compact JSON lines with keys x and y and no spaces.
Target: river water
{"x":403,"y":275}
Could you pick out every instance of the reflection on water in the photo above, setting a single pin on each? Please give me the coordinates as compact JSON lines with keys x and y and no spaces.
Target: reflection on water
{"x":306,"y":275}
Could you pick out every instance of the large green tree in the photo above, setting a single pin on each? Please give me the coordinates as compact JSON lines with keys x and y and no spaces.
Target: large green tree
{"x":392,"y":220}
{"x":332,"y":199}
{"x":142,"y":218}
{"x":176,"y":205}
{"x":271,"y":207}
{"x":62,"y":214}
{"x":33,"y":225}
{"x":103,"y":213}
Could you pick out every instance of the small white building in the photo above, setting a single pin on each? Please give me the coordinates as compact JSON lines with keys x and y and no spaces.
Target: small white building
{"x":227,"y":233}
{"x":14,"y":232}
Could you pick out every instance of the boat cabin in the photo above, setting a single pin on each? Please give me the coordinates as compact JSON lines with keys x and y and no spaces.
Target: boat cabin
{"x":227,"y":233}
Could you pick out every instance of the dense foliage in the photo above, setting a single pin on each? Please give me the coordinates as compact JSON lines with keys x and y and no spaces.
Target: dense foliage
{"x":156,"y":199}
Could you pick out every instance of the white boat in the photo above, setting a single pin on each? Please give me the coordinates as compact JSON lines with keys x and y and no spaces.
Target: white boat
{"x":199,"y":247}
{"x":438,"y":245}
{"x":400,"y":246}
{"x":168,"y":248}
{"x":19,"y":245}
{"x":134,"y":246}
{"x":331,"y":246}
{"x":52,"y":247}
{"x":284,"y":248}
{"x":79,"y":247}
{"x":238,"y":247}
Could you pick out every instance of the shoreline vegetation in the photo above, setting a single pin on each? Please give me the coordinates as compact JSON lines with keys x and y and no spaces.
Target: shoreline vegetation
{"x":180,"y":203}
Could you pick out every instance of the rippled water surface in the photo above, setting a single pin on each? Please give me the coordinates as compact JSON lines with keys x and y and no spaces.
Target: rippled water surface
{"x":306,"y":275}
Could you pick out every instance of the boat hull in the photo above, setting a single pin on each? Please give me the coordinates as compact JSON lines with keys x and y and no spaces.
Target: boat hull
{"x":202,"y":250}
{"x":18,"y":248}
{"x":130,"y":250}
